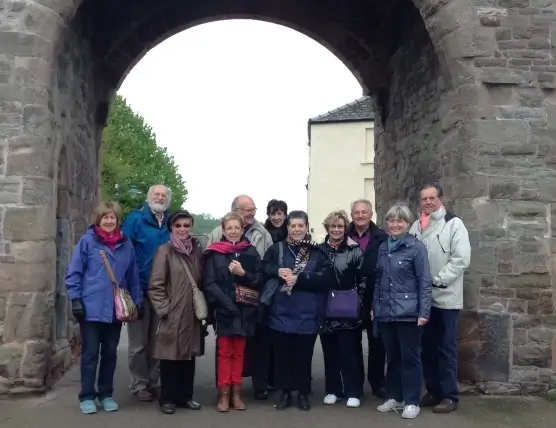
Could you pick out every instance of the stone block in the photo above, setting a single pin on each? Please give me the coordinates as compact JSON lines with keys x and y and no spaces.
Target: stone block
{"x":543,"y":305}
{"x":519,"y":337}
{"x":36,"y":120}
{"x":33,"y":251}
{"x":35,"y":361}
{"x":30,"y":156}
{"x":506,"y":76}
{"x":28,"y":317}
{"x":540,"y":336}
{"x":27,"y":277}
{"x":483,"y":261}
{"x":537,"y":356}
{"x":530,"y":280}
{"x":26,"y":45}
{"x":32,"y":71}
{"x":29,"y":223}
{"x":525,"y":374}
{"x":497,"y":132}
{"x":469,"y":42}
{"x":10,"y":361}
{"x":516,"y":306}
{"x":37,"y":191}
{"x":484,"y":346}
{"x":10,"y":190}
{"x":471,"y":291}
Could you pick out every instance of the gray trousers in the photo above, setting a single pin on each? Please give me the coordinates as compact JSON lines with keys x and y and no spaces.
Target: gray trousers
{"x":144,"y":370}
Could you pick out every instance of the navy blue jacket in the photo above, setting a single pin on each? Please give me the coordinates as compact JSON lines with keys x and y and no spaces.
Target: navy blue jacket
{"x":403,"y":289}
{"x":304,"y":310}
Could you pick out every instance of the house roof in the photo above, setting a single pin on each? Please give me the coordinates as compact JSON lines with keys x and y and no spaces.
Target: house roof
{"x":358,"y":110}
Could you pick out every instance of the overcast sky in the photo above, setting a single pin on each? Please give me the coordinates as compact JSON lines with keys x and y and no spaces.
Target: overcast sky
{"x":230,"y":100}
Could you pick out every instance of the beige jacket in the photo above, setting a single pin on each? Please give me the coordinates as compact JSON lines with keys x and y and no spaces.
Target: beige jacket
{"x":257,"y":235}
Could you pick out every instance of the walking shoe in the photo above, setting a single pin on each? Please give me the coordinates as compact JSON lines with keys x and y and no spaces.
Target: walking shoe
{"x":144,"y":395}
{"x":223,"y":399}
{"x":285,"y":401}
{"x":429,"y":400}
{"x":168,"y":408}
{"x":390,"y":405}
{"x":445,"y":406}
{"x":353,"y":403}
{"x":410,"y":411}
{"x":330,"y":399}
{"x":88,"y":407}
{"x":303,"y":402}
{"x":237,"y":402}
{"x":109,"y":405}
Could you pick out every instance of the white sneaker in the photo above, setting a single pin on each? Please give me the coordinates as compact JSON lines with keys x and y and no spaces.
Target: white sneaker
{"x":330,"y":399}
{"x":353,"y":403}
{"x":411,"y":411}
{"x":390,"y":405}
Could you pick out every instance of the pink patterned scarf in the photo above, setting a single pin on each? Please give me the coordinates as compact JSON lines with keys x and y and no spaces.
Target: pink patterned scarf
{"x":183,"y":247}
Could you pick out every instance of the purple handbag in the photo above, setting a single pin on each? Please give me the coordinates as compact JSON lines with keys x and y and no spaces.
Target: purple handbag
{"x":343,"y":304}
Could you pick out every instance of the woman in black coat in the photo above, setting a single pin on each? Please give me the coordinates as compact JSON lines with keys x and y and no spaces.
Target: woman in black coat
{"x":231,"y":277}
{"x":341,"y":335}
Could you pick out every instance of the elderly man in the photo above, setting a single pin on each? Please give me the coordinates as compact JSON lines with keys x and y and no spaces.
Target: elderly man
{"x":147,"y":228}
{"x":364,"y":231}
{"x":255,"y":231}
{"x":447,"y":242}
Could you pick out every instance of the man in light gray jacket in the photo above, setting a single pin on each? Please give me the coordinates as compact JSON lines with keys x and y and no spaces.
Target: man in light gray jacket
{"x":447,"y":242}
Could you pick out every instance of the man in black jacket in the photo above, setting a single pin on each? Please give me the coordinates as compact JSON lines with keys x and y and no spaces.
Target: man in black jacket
{"x":369,"y":236}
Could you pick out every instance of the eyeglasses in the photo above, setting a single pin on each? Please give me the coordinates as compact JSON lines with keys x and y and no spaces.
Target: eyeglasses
{"x":180,"y":225}
{"x":249,"y":211}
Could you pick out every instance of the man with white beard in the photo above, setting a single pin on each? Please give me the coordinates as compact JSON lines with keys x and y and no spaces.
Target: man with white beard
{"x":148,"y":229}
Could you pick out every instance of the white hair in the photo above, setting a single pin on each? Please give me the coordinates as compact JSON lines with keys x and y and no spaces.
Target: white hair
{"x":168,"y":191}
{"x":400,"y":211}
{"x":361,"y":201}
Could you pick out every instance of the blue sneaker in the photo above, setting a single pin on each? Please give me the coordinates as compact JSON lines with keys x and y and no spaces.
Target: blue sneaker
{"x":109,"y":405}
{"x":88,"y":407}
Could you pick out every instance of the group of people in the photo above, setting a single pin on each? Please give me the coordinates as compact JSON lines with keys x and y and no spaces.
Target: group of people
{"x":270,"y":292}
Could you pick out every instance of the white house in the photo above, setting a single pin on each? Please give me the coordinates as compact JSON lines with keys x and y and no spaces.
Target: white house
{"x":341,"y":161}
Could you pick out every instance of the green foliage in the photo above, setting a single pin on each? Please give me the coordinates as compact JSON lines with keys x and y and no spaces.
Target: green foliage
{"x":204,"y":223}
{"x":131,"y":158}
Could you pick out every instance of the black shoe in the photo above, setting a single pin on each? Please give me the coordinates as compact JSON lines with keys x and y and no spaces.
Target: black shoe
{"x":191,"y":405}
{"x":303,"y":402}
{"x":380,"y":393}
{"x":271,"y":388}
{"x":285,"y":401}
{"x":168,"y":408}
{"x":261,"y":395}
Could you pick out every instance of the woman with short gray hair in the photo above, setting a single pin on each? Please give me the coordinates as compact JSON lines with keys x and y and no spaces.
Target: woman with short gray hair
{"x":401,"y":307}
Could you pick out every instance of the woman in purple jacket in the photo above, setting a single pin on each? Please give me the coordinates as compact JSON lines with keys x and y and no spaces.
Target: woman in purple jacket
{"x":91,"y":292}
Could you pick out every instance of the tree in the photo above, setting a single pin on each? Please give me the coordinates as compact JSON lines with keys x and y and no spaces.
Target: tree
{"x":131,"y":158}
{"x":204,"y":223}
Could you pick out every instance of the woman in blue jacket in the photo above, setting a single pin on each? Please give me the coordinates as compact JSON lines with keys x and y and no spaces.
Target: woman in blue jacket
{"x":91,"y":292}
{"x":401,"y":307}
{"x":298,"y":275}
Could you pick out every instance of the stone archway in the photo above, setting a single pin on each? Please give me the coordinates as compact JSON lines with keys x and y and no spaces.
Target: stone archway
{"x":464,"y":93}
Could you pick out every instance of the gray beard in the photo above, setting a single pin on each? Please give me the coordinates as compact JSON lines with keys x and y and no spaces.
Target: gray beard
{"x":157,"y":208}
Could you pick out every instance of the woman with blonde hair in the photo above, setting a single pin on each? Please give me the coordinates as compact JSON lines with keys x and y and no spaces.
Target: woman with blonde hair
{"x":102,"y":253}
{"x":232,"y":268}
{"x":341,"y":334}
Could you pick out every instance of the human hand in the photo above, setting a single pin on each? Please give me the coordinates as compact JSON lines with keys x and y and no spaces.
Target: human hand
{"x":236,"y":268}
{"x":291,"y":280}
{"x":422,"y":321}
{"x":284,"y":273}
{"x":372,"y":316}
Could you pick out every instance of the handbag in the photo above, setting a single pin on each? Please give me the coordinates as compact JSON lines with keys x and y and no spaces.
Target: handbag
{"x":199,"y":303}
{"x":343,"y":304}
{"x":126,"y":309}
{"x":247,"y":296}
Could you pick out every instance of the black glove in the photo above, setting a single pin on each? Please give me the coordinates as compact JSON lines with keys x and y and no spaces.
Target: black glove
{"x":78,"y":310}
{"x":141,"y":312}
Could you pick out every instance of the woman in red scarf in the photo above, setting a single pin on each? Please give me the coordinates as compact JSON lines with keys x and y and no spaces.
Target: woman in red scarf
{"x":231,"y":276}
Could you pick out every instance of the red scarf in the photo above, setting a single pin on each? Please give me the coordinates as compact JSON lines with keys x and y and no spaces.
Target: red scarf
{"x":226,"y":247}
{"x":109,"y":239}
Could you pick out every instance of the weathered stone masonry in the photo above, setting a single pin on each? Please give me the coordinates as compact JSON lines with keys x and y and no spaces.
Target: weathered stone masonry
{"x":464,"y":90}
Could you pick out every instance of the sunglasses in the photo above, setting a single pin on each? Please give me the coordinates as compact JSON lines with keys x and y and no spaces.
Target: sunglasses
{"x":180,"y":225}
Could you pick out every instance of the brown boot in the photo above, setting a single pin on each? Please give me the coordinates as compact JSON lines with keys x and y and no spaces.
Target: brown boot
{"x":223,"y":399}
{"x":236,"y":398}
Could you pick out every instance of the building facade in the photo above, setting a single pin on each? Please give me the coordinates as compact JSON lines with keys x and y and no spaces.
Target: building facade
{"x":341,"y":161}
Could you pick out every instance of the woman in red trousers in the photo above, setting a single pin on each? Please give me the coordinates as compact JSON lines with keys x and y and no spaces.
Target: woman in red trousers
{"x":231,"y":282}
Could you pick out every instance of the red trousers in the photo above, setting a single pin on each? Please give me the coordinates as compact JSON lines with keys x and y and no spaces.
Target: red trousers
{"x":231,"y":353}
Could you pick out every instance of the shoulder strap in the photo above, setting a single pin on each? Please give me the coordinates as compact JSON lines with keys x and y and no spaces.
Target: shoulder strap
{"x":109,"y":268}
{"x":281,"y":254}
{"x":188,"y":272}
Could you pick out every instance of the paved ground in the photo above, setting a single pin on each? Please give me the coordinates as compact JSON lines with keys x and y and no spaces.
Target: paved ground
{"x":59,"y":409}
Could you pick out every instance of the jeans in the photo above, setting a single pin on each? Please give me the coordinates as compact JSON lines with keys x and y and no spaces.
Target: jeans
{"x":231,"y":353}
{"x":402,"y":341}
{"x":98,"y":338}
{"x":342,"y":352}
{"x":440,"y":354}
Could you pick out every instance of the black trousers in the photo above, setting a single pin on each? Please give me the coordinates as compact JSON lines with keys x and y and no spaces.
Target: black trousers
{"x":293,"y":356}
{"x":342,"y":352}
{"x":176,"y":381}
{"x":376,"y":364}
{"x":402,"y":341}
{"x":262,"y":375}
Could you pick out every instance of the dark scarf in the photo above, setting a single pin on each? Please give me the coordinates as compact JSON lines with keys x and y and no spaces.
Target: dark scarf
{"x":301,"y":259}
{"x":278,"y":234}
{"x":224,"y":247}
{"x":182,"y":247}
{"x":109,"y":239}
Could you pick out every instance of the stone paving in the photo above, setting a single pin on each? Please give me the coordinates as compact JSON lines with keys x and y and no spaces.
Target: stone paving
{"x":58,"y":409}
